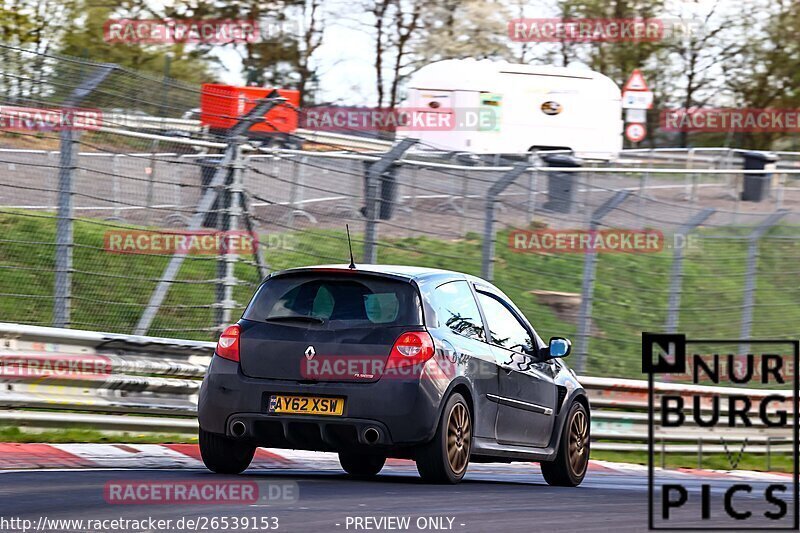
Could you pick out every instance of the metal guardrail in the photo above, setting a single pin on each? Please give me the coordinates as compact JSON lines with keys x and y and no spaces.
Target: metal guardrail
{"x":59,"y":378}
{"x":688,"y":158}
{"x":192,"y":126}
{"x":71,"y":378}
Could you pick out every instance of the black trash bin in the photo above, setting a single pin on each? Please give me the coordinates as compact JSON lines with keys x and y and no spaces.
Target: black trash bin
{"x":757,"y":186}
{"x":561,"y":185}
{"x":387,"y":192}
{"x":208,"y":167}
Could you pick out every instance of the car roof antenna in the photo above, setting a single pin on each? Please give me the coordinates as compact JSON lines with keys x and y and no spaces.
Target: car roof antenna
{"x":350,"y":246}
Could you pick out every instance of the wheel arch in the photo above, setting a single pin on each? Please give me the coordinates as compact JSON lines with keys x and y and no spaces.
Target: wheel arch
{"x":463,"y":389}
{"x":582,"y":399}
{"x":461,"y":386}
{"x":577,"y":396}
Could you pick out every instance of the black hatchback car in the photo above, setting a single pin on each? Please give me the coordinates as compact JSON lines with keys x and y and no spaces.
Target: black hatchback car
{"x":391,"y":361}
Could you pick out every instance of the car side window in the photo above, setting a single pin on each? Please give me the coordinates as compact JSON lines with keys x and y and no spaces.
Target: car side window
{"x":505,"y":329}
{"x":456,"y":309}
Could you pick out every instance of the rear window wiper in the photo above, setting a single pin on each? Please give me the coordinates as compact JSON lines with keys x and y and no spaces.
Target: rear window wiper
{"x":298,"y":318}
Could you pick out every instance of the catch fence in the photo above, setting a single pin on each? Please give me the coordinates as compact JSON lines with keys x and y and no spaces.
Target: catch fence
{"x":718,"y":267}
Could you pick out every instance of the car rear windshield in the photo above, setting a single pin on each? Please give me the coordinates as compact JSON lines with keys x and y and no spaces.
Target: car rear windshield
{"x":346,"y":300}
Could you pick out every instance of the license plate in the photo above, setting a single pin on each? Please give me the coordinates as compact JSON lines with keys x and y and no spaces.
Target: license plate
{"x":306,"y":405}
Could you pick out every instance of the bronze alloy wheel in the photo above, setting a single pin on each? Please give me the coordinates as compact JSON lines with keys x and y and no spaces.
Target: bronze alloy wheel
{"x":445,"y":458}
{"x":579,"y":443}
{"x":459,"y":437}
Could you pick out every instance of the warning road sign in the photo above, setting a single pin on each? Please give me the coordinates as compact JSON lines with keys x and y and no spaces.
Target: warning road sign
{"x":635,"y":82}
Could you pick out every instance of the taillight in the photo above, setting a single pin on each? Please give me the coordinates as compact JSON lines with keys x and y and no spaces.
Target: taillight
{"x":411,"y":348}
{"x":228,"y":344}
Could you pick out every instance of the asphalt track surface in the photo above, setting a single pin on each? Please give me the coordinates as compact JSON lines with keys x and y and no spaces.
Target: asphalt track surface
{"x":501,"y":500}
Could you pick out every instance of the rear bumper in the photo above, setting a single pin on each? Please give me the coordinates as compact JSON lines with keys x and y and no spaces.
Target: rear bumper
{"x":403,"y":412}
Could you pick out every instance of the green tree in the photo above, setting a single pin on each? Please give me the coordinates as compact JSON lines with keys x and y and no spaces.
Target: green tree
{"x":764,"y":72}
{"x":86,"y":38}
{"x":465,"y":29}
{"x":290,"y":32}
{"x":616,"y":59}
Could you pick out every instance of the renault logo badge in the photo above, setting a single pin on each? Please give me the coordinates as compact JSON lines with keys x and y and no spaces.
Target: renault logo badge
{"x":310,"y":353}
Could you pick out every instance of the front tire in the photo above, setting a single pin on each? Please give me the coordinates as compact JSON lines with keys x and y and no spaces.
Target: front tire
{"x":570,"y":465}
{"x":223,"y":455}
{"x":361,"y":466}
{"x":446,"y":457}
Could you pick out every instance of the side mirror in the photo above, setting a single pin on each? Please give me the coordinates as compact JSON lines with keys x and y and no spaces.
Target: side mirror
{"x":557,"y":347}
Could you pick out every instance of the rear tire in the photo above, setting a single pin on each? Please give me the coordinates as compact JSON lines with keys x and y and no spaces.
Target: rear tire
{"x":570,"y":465}
{"x":223,"y":455}
{"x":445,"y":459}
{"x":361,"y":466}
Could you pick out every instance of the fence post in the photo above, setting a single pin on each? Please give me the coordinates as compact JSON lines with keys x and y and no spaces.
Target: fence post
{"x":750,"y":277}
{"x":115,"y":187}
{"x":587,"y":285}
{"x":262,"y":267}
{"x":676,"y":278}
{"x":67,"y":163}
{"x":643,"y":187}
{"x":64,"y":242}
{"x":372,"y":176}
{"x":487,"y":260}
{"x":206,"y":201}
{"x":464,"y":202}
{"x":151,"y":177}
{"x":688,"y":190}
{"x":780,"y":181}
{"x":533,"y":175}
{"x":227,"y":260}
{"x":296,"y":194}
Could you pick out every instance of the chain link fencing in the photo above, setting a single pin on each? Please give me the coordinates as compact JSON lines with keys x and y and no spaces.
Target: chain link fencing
{"x":91,"y":224}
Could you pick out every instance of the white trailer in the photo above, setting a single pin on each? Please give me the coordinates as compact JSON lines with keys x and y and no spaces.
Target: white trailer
{"x":520,"y":108}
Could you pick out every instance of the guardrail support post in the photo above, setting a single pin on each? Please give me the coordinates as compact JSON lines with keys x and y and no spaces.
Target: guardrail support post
{"x":769,"y":455}
{"x":487,"y":259}
{"x":235,"y":136}
{"x":700,"y":453}
{"x":750,"y":277}
{"x":373,"y":176}
{"x":67,"y":163}
{"x":587,"y":286}
{"x":676,"y":279}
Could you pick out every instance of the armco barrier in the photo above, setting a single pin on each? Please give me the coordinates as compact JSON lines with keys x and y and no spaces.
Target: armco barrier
{"x":117,"y":378}
{"x":56,"y":378}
